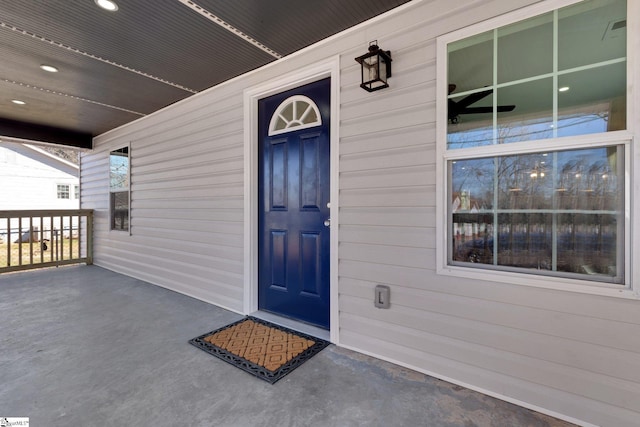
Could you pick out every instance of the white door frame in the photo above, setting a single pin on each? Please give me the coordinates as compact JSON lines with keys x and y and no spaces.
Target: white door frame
{"x":329,"y":68}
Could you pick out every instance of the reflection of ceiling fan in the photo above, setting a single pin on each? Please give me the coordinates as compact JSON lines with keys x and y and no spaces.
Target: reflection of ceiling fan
{"x":462,"y":106}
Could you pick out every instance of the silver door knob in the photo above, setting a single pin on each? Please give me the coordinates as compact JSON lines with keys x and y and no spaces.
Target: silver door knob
{"x":327,"y":222}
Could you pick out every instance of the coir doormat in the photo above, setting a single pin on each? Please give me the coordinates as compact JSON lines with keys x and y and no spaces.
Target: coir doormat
{"x":261,"y":348}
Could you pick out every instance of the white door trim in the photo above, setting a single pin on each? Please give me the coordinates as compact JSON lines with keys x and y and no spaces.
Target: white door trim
{"x":329,"y":68}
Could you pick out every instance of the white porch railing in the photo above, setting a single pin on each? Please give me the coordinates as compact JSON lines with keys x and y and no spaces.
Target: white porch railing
{"x":43,"y":238}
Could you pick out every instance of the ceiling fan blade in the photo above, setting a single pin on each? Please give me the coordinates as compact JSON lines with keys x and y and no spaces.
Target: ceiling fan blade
{"x":473,"y":98}
{"x":462,"y":106}
{"x":483,"y":110}
{"x":505,"y":108}
{"x":476,"y":110}
{"x":452,"y":110}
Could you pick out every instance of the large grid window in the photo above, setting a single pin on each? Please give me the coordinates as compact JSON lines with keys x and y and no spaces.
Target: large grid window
{"x":119,"y":188}
{"x":536,"y":145}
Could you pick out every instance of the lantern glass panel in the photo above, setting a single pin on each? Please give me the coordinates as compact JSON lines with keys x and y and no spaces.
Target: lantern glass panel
{"x":370,"y":69}
{"x":382,"y":72}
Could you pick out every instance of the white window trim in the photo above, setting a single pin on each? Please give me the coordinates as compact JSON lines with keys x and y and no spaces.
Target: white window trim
{"x":626,"y":137}
{"x":127,"y":190}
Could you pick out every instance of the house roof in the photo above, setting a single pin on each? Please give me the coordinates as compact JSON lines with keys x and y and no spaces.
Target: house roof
{"x":42,"y":156}
{"x":115,"y":67}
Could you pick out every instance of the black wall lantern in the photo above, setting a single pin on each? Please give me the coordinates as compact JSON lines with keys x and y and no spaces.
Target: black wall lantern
{"x":375,"y":67}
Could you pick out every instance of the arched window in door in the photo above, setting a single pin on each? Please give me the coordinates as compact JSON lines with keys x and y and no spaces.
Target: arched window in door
{"x":294,"y":113}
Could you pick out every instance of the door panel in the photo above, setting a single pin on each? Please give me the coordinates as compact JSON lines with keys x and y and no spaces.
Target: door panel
{"x":278,"y":178}
{"x":294,"y":171}
{"x":310,"y":174}
{"x":278,"y":251}
{"x":310,"y":259}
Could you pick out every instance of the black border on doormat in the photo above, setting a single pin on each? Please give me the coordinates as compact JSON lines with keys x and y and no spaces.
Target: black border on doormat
{"x":255,"y":369}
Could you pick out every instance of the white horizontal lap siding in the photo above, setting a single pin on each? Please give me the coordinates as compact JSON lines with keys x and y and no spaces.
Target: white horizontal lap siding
{"x":567,"y":354}
{"x":186,"y":200}
{"x":94,"y":176}
{"x":513,"y":363}
{"x":502,"y":327}
{"x":573,"y":405}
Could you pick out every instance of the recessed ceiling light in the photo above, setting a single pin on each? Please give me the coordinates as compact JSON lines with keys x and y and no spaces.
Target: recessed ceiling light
{"x":17,"y":101}
{"x":49,"y":68}
{"x":563,"y":89}
{"x":107,"y":5}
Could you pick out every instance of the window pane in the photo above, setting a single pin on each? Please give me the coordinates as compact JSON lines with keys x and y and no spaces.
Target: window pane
{"x":588,"y":81}
{"x":472,"y":184}
{"x":280,"y":124}
{"x":556,"y":212}
{"x":120,"y":210}
{"x":287,"y":112}
{"x":63,"y":191}
{"x":310,"y":115}
{"x":525,"y":49}
{"x":470,"y":137}
{"x":119,"y":168}
{"x":587,"y":244}
{"x":470,"y":68}
{"x":470,"y":62}
{"x":471,"y":207}
{"x":473,"y":239}
{"x":587,"y":180}
{"x":525,"y":182}
{"x":594,"y":101}
{"x":590,"y":32}
{"x":470,"y":130}
{"x":525,"y":240}
{"x":119,"y":180}
{"x":532,"y":114}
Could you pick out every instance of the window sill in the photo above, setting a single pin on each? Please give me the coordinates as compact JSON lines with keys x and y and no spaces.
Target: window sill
{"x":538,"y":281}
{"x":116,"y":230}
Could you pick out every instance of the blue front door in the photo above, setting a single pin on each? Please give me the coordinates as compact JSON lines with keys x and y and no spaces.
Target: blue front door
{"x":294,"y":174}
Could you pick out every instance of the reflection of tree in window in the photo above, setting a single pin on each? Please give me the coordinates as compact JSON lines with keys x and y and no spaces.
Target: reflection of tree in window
{"x":533,"y":191}
{"x":119,"y":188}
{"x":119,"y":168}
{"x":559,"y":209}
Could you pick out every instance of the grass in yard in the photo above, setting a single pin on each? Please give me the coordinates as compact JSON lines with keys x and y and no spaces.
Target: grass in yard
{"x":66,"y":249}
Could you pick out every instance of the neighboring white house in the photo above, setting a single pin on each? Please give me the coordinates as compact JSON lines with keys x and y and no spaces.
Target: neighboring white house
{"x":176,"y":196}
{"x":33,"y":179}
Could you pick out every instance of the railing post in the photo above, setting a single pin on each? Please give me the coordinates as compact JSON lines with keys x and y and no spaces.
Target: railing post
{"x":89,"y":238}
{"x":41,"y":240}
{"x":8,"y":242}
{"x":20,"y":241}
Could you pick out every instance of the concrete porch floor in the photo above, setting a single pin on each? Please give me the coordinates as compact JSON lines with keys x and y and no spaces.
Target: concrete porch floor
{"x":84,"y":346}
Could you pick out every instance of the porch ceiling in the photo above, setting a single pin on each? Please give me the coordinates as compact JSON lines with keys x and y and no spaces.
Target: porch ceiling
{"x":115,"y":67}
